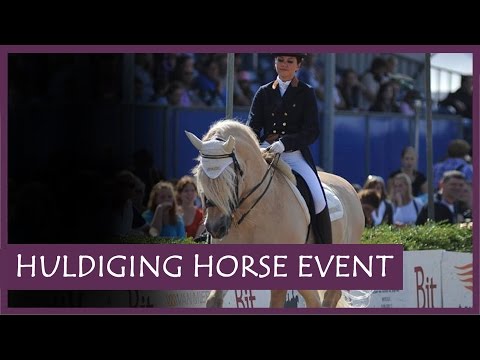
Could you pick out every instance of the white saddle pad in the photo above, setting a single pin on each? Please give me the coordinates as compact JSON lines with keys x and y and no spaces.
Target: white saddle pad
{"x":335,"y":207}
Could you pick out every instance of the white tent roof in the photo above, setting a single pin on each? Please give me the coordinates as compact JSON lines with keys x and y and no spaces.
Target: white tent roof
{"x":459,"y":62}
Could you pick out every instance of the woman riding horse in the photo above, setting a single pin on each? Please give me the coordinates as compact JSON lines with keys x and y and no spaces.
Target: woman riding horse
{"x":286,"y":111}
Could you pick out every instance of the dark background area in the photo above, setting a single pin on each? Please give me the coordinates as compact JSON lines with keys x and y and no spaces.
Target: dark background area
{"x":61,"y":158}
{"x":61,"y":162}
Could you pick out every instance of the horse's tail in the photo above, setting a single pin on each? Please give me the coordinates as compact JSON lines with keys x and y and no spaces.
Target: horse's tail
{"x":356,"y":298}
{"x":333,"y":298}
{"x":343,"y":302}
{"x":348,"y":299}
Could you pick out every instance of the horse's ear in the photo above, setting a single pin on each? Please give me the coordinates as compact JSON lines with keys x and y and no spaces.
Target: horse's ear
{"x":228,"y":146}
{"x":194,"y":140}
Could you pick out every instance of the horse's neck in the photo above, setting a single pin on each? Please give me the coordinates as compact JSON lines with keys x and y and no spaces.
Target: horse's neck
{"x":252,"y":180}
{"x":271,"y":190}
{"x":255,"y":191}
{"x":273,"y":216}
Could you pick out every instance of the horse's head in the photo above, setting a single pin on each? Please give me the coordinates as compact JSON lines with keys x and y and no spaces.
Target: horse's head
{"x":217,"y":180}
{"x":226,"y":152}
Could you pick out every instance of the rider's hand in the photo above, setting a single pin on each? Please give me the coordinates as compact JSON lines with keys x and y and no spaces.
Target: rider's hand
{"x":277,"y":147}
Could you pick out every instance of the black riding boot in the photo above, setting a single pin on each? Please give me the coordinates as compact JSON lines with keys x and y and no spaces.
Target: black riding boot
{"x":323,"y":227}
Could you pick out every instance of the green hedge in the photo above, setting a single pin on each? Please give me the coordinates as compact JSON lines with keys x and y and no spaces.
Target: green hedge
{"x":154,"y":240}
{"x":427,"y":237}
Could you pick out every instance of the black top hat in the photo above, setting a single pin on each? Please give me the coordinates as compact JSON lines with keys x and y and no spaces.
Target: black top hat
{"x":297,"y":55}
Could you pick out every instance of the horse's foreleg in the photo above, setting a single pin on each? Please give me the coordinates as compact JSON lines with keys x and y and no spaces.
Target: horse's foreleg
{"x":277,"y":298}
{"x":311,"y":297}
{"x":215,"y":299}
{"x":331,"y":298}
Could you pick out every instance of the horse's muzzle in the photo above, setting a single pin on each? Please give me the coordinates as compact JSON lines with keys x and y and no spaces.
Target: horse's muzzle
{"x":219,"y":228}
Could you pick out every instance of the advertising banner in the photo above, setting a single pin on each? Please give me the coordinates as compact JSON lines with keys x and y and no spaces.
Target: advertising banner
{"x":457,"y":280}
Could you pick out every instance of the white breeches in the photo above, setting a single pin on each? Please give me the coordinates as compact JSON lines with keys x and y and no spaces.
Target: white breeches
{"x":297,"y":162}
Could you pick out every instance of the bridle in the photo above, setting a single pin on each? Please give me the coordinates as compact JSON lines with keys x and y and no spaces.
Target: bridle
{"x":239,"y":172}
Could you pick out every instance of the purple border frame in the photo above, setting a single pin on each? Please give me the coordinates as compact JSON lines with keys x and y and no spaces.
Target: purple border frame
{"x":4,"y":50}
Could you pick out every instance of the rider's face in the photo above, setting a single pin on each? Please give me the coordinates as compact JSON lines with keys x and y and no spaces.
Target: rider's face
{"x":286,"y":66}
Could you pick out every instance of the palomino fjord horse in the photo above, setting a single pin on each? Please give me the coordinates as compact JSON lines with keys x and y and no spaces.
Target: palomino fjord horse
{"x":245,"y":197}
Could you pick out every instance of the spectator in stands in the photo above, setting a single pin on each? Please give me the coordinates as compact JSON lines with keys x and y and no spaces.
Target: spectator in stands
{"x":385,"y":100}
{"x":391,"y":69}
{"x":139,"y":194}
{"x":458,"y":152}
{"x":409,"y":166}
{"x":122,"y":213}
{"x":312,"y":76}
{"x":383,"y":213}
{"x":210,"y":86}
{"x":123,"y":221}
{"x":465,"y":204}
{"x":460,"y":101}
{"x":139,"y":223}
{"x":175,"y":93}
{"x":371,"y":81}
{"x":185,"y":73}
{"x":350,"y":90}
{"x":165,"y":65}
{"x":446,"y":201}
{"x":243,"y":93}
{"x":410,"y":103}
{"x":370,"y":201}
{"x":144,"y":168}
{"x":192,"y":216}
{"x":405,"y":206}
{"x":162,"y":212}
{"x":144,"y":77}
{"x":401,"y":82}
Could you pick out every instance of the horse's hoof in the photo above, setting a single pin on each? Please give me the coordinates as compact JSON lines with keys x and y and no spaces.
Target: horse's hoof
{"x":214,"y":303}
{"x":328,"y":304}
{"x":331,"y":298}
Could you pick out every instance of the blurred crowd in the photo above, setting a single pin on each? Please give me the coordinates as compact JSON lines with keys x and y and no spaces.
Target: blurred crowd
{"x":403,"y":199}
{"x":199,"y":80}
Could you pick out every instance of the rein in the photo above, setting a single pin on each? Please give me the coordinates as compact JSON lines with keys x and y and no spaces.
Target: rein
{"x":277,"y":156}
{"x":237,"y":168}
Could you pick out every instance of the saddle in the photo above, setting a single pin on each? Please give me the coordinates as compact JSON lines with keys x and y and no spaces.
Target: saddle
{"x":335,"y":207}
{"x":297,"y":182}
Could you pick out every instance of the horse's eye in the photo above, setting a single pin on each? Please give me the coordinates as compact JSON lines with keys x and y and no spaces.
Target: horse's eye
{"x":208,"y":203}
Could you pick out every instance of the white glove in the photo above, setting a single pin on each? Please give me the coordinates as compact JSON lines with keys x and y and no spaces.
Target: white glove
{"x":277,"y":147}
